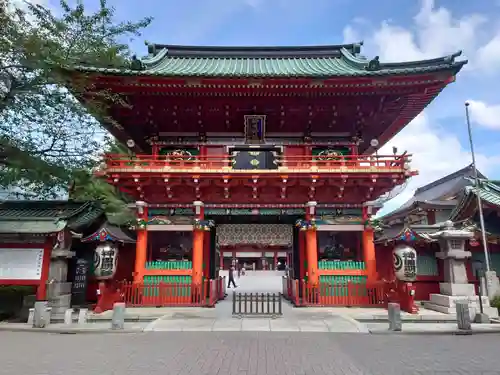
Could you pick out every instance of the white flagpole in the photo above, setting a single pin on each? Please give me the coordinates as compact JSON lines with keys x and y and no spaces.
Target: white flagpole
{"x":476,"y":185}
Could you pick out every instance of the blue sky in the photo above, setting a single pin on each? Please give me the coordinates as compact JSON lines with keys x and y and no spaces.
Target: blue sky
{"x":397,"y":30}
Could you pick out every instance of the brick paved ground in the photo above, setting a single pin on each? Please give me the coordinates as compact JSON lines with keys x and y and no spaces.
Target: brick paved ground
{"x":242,"y":353}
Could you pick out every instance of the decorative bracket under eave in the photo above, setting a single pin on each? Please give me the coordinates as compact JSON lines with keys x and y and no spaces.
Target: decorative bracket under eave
{"x":304,"y":225}
{"x":108,"y":233}
{"x":374,"y":224}
{"x":407,"y":235}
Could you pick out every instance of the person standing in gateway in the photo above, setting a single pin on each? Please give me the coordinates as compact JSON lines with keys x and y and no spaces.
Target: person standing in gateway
{"x":231,"y":278}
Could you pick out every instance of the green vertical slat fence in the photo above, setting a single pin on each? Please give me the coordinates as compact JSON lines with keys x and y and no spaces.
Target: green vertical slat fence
{"x":337,"y":285}
{"x":151,"y":285}
{"x":340,"y":265}
{"x":169,"y":265}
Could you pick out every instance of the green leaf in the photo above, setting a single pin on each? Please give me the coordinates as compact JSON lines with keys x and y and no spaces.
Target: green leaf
{"x":49,"y":142}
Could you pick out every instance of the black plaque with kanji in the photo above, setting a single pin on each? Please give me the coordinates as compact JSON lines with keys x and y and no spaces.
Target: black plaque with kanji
{"x":410,"y":265}
{"x":80,"y":283}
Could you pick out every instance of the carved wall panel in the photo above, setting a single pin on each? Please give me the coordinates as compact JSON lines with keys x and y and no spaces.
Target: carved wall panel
{"x":255,"y":234}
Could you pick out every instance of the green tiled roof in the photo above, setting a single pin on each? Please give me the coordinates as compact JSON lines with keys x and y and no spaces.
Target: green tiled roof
{"x":311,"y":61}
{"x":488,"y":191}
{"x":46,"y":216}
{"x":32,"y":226}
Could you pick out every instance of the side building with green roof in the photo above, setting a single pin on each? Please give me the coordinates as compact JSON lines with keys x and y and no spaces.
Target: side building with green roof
{"x":467,"y":213}
{"x":40,"y":242}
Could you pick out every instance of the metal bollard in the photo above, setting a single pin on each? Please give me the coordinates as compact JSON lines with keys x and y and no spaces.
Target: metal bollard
{"x":68,"y":316}
{"x":118,"y":318}
{"x":394,"y":313}
{"x":463,"y":317}
{"x":82,"y":316}
{"x":41,"y":314}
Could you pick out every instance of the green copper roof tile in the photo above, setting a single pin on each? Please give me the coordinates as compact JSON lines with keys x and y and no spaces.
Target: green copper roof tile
{"x":46,"y":216}
{"x":314,"y":61}
{"x":488,"y":190}
{"x":32,"y":226}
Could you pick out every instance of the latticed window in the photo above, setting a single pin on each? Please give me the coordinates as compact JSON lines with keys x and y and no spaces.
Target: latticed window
{"x":427,"y":265}
{"x":456,"y":244}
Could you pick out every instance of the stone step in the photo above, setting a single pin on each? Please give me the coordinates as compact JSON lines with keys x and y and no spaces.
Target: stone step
{"x":450,"y":301}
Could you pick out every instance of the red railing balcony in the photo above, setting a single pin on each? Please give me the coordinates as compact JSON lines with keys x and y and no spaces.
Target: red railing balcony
{"x":284,"y":164}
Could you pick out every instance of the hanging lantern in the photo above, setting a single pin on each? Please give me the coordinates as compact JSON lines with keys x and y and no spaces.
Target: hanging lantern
{"x":405,"y":263}
{"x":105,"y":261}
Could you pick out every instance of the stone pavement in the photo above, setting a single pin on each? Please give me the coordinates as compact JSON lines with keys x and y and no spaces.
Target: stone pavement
{"x":430,"y":328}
{"x":247,"y":353}
{"x":288,"y":324}
{"x":96,"y":327}
{"x":149,"y":314}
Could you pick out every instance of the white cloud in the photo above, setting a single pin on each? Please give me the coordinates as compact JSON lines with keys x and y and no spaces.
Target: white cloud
{"x":435,"y":32}
{"x":488,"y":56}
{"x":435,"y":154}
{"x":485,"y":114}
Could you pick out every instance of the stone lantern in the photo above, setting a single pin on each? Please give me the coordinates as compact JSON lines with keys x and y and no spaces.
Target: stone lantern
{"x":456,"y":284}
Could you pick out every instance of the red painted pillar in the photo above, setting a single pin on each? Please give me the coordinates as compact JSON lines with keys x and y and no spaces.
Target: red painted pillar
{"x":206,"y":255}
{"x":198,"y":237}
{"x":141,"y":245}
{"x":41,"y":290}
{"x":302,"y":255}
{"x":312,"y":247}
{"x":275,"y":259}
{"x":369,"y":256}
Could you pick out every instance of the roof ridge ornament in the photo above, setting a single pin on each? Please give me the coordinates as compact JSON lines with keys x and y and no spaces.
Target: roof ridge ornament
{"x":151,"y":48}
{"x":374,"y":64}
{"x":451,"y":58}
{"x":136,"y":64}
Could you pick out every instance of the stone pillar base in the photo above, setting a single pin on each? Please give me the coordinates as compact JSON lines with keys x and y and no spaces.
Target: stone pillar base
{"x":447,"y":304}
{"x":492,"y":284}
{"x":452,"y":289}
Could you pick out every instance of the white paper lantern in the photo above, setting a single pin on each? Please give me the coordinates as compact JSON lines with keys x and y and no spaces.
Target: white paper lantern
{"x":105,"y":261}
{"x":405,"y":263}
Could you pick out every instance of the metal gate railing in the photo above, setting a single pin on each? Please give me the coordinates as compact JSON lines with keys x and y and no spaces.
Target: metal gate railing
{"x":257,"y":305}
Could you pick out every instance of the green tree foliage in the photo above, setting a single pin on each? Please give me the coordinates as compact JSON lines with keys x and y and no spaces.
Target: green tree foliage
{"x":47,"y":138}
{"x":87,"y":186}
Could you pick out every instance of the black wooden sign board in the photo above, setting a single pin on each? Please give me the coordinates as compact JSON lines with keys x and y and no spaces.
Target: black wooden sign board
{"x":80,"y":283}
{"x":254,"y":159}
